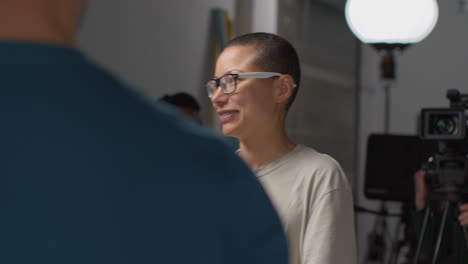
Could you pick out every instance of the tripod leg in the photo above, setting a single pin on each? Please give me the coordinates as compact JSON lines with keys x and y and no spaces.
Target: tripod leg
{"x":441,"y":232}
{"x":421,"y":236}
{"x":465,"y":233}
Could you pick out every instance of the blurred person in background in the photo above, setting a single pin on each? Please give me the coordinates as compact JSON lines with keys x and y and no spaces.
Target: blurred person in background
{"x":185,"y":103}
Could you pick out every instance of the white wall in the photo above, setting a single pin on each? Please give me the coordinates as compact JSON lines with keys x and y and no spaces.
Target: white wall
{"x":265,"y":16}
{"x":158,"y":46}
{"x":424,"y":72}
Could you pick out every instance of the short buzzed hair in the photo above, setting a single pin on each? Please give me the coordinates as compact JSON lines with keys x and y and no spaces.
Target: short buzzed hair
{"x":275,"y":54}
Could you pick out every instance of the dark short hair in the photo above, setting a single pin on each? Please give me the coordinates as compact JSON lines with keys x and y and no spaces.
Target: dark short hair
{"x":275,"y":54}
{"x":182,"y":99}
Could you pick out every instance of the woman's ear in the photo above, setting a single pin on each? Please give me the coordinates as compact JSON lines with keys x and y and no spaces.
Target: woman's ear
{"x":285,"y":88}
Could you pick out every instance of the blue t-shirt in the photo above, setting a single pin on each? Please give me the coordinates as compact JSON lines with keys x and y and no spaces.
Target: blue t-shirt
{"x":92,"y":173}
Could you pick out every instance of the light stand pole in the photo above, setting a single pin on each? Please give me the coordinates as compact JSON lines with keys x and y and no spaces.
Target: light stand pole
{"x":388,"y":74}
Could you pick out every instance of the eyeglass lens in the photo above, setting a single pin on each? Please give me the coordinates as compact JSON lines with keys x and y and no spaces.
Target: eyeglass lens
{"x":227,"y":84}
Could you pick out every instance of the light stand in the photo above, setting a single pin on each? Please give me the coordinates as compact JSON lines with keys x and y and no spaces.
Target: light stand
{"x":380,"y":229}
{"x":389,"y":25}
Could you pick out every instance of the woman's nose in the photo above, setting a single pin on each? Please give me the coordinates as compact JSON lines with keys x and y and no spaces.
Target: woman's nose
{"x":219,"y":98}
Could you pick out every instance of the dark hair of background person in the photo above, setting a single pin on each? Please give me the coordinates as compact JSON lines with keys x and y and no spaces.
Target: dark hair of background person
{"x":182,"y":99}
{"x":275,"y":54}
{"x":186,"y":103}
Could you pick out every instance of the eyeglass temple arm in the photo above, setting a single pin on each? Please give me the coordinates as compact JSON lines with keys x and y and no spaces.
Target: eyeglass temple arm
{"x":260,"y":75}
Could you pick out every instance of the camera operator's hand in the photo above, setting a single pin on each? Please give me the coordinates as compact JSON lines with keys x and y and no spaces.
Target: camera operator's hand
{"x":420,"y":192}
{"x":463,"y":217}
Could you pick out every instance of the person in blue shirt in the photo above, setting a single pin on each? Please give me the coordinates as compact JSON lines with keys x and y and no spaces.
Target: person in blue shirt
{"x":92,"y":172}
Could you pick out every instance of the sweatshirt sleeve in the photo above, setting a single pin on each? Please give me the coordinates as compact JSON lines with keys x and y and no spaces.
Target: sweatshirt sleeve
{"x":329,"y":236}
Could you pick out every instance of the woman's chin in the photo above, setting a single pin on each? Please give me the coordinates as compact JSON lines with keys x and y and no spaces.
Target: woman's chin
{"x":228,"y":131}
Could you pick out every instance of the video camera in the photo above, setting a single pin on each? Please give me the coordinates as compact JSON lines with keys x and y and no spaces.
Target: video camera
{"x":446,"y":124}
{"x":447,"y":169}
{"x":442,"y":148}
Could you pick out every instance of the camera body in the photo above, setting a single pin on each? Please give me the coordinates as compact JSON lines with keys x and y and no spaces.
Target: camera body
{"x":447,"y":169}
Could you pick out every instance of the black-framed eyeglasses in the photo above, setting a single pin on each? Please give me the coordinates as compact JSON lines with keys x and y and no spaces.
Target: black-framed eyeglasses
{"x":228,"y":82}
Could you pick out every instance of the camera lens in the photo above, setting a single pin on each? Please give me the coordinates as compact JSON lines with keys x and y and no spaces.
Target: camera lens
{"x":444,"y":124}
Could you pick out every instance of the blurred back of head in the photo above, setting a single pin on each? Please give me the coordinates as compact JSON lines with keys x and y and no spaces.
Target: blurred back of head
{"x":185,"y":102}
{"x":44,"y":21}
